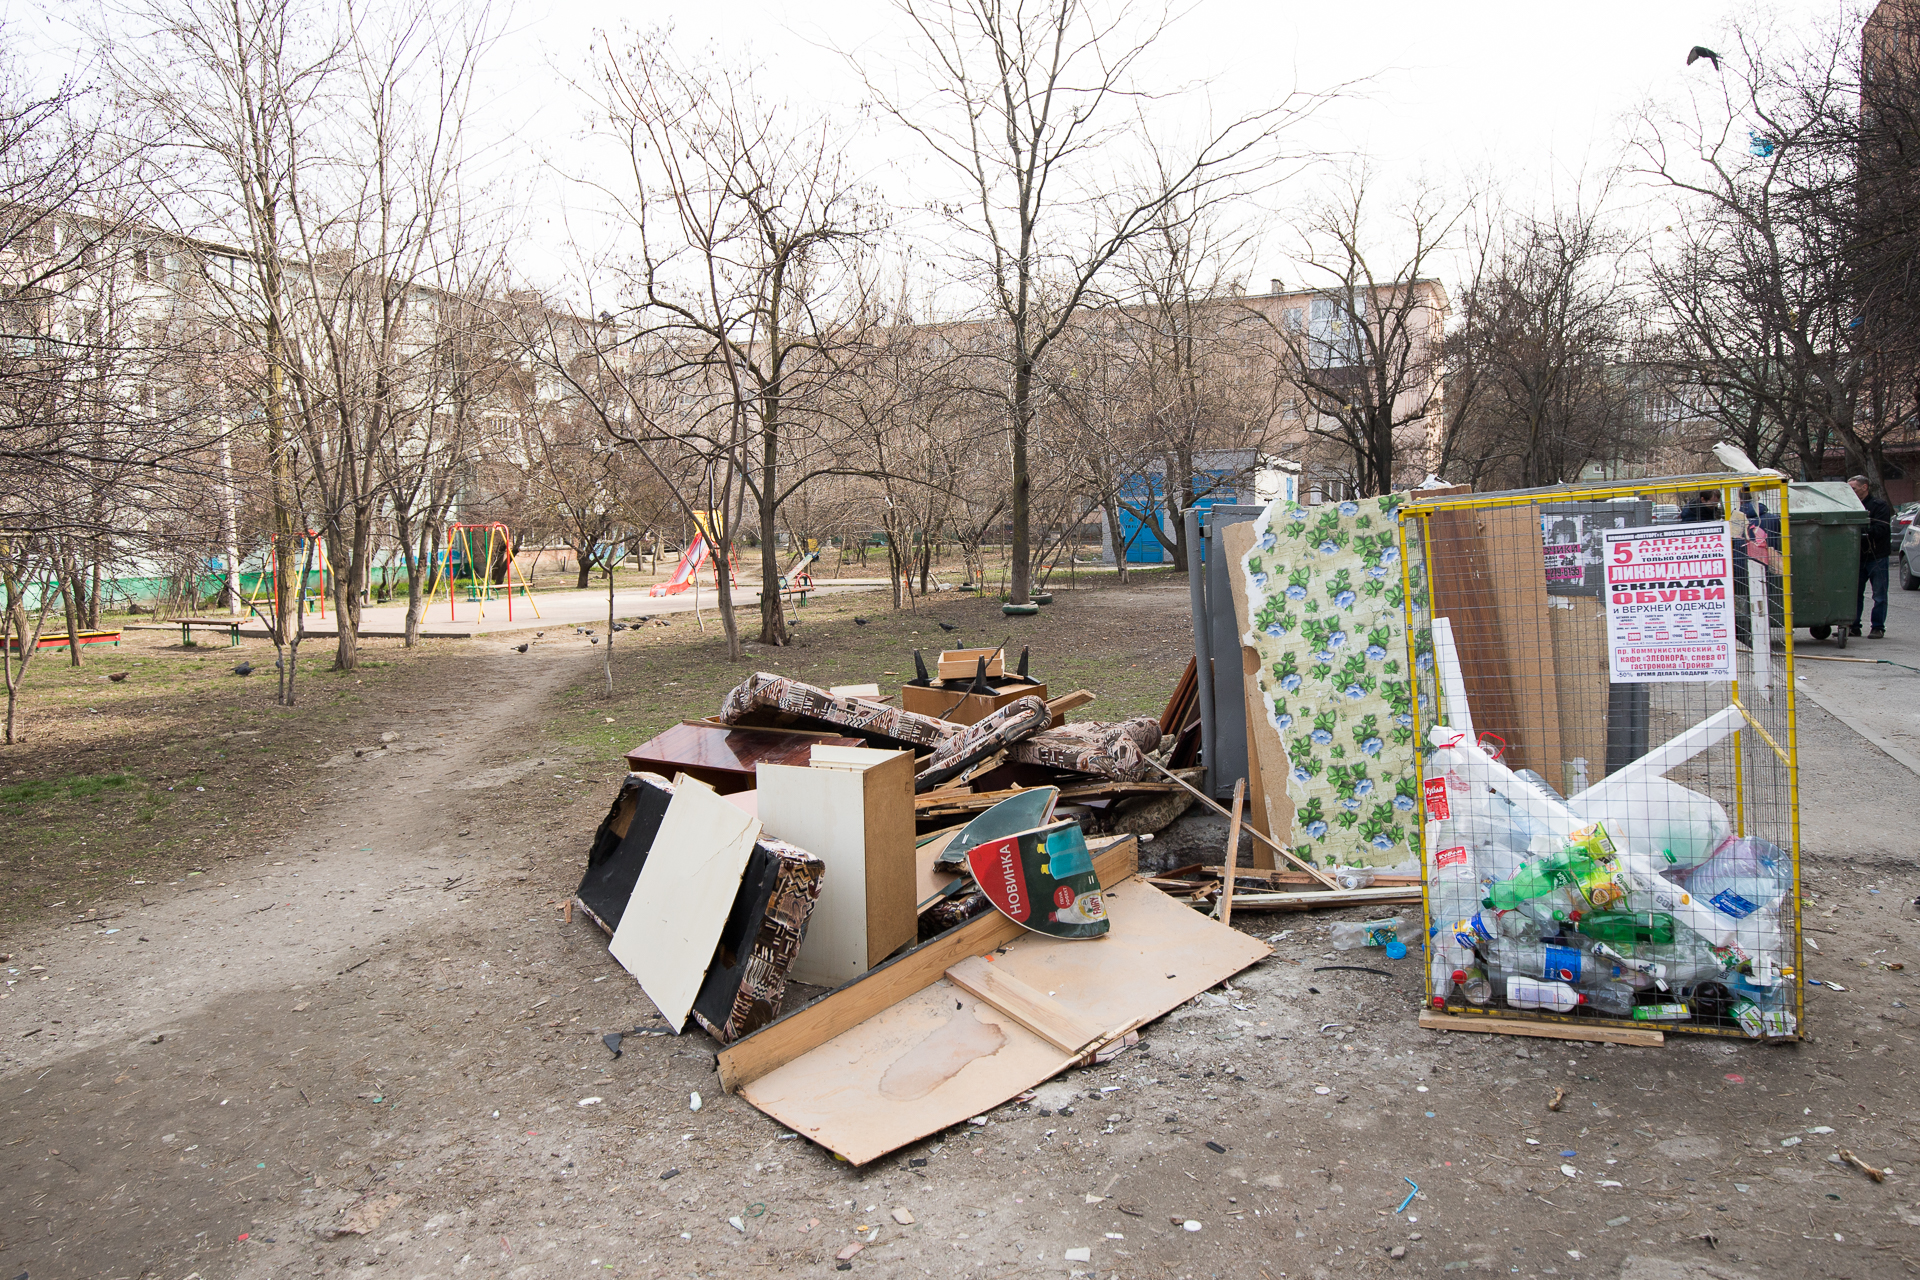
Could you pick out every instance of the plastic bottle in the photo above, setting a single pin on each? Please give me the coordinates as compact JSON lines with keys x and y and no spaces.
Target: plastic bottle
{"x":1615,"y":998}
{"x":1623,"y":927}
{"x":1551,"y":961}
{"x":1590,"y":883}
{"x":1349,"y":934}
{"x":1474,"y":984}
{"x":1353,"y":877}
{"x":1531,"y":993}
{"x":1743,"y":876}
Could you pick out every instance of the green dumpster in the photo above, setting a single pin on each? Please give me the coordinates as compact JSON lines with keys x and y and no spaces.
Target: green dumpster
{"x":1826,"y":521}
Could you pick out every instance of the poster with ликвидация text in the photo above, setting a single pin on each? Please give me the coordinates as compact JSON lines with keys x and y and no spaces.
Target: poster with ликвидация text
{"x":1669,"y":594}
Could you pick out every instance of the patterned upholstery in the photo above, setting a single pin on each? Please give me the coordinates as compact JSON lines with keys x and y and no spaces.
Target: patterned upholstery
{"x":1019,"y":719}
{"x":1116,"y":751}
{"x":764,"y":691}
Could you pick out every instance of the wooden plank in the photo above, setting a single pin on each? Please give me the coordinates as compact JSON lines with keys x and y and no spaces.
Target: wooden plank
{"x":1325,"y":899}
{"x":1034,"y":1010}
{"x":1180,"y":703}
{"x":964,"y":664}
{"x":1058,"y":707}
{"x":782,"y":1041}
{"x":1579,"y":628}
{"x":1225,"y":907}
{"x":1520,"y":590}
{"x":1460,"y":574}
{"x":1645,"y":1037}
{"x":1270,"y":803}
{"x":681,"y":901}
{"x":959,"y":801}
{"x":938,"y":1056}
{"x":1282,"y":850}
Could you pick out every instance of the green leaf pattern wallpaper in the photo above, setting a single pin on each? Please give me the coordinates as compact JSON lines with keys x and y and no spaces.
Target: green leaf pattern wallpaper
{"x":1328,"y":608}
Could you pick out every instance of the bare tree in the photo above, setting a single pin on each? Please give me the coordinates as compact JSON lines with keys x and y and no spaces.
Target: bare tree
{"x":1028,"y":105}
{"x":1362,"y":355}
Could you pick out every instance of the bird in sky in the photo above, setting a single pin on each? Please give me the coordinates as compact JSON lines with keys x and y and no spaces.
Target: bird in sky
{"x":244,"y":669}
{"x":949,"y":626}
{"x":520,"y":648}
{"x":1700,"y":51}
{"x":859,"y":622}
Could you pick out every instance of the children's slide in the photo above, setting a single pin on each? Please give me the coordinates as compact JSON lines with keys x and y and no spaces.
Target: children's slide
{"x":690,"y":562}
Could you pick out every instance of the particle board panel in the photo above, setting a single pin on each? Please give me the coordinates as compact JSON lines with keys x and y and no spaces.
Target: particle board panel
{"x":1114,"y":860}
{"x":682,"y":898}
{"x":933,"y":1057}
{"x":1038,"y":1012}
{"x":853,"y":809}
{"x":1461,"y":575}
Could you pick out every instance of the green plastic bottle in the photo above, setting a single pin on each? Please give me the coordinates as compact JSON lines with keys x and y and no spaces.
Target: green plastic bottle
{"x":1642,"y":926}
{"x":1537,"y":879}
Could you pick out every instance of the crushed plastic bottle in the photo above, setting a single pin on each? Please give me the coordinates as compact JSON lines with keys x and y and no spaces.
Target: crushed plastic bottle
{"x":1531,"y":993}
{"x":1353,"y":877}
{"x":1474,"y":985}
{"x":1623,"y":927}
{"x":1350,"y":934}
{"x":1743,"y":876}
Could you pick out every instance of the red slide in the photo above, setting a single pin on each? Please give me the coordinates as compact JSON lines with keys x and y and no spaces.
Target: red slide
{"x":690,"y":562}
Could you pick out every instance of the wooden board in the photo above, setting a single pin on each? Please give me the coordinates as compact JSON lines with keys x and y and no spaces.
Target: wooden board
{"x":928,"y":878}
{"x":682,"y":898}
{"x":748,"y":1059}
{"x":853,"y":809}
{"x":1461,"y":576}
{"x":1630,"y":1035}
{"x":1034,"y":1010}
{"x":1579,"y":628}
{"x":722,"y":756}
{"x":936,"y":1056}
{"x":1520,"y":591}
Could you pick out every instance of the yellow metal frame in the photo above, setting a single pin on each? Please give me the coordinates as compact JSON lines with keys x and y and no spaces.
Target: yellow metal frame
{"x":1421,"y":509}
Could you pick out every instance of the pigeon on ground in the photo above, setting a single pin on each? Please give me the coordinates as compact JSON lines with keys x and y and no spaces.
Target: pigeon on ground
{"x":1700,"y":51}
{"x":579,"y":631}
{"x":949,"y":626}
{"x":593,"y":640}
{"x":520,"y":648}
{"x":859,"y":621}
{"x":244,"y":669}
{"x":793,"y":622}
{"x":589,"y":631}
{"x":117,"y":676}
{"x":539,"y":635}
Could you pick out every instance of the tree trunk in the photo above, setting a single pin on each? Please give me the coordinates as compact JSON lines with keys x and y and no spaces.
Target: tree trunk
{"x":62,"y":577}
{"x":722,"y":561}
{"x":585,"y":576}
{"x":1022,"y":482}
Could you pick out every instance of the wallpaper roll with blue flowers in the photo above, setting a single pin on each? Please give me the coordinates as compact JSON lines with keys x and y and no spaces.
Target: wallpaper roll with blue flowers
{"x":1327,"y":608}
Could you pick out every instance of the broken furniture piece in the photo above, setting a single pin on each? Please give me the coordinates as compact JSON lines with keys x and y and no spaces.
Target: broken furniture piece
{"x":769,"y":700}
{"x":971,"y":684}
{"x":723,"y":757}
{"x":852,"y":808}
{"x":745,"y":977}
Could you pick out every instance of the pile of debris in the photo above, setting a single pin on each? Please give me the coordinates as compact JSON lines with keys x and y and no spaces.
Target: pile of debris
{"x":961,"y":870}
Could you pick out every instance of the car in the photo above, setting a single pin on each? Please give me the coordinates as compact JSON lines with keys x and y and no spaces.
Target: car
{"x":1909,"y":557}
{"x":1904,"y":514}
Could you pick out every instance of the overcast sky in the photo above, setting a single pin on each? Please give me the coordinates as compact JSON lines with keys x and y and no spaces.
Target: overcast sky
{"x":1530,"y":94}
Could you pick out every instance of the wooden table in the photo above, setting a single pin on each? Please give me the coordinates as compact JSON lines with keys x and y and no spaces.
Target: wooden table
{"x":723,"y":757}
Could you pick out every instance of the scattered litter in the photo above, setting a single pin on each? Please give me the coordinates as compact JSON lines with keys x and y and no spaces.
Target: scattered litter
{"x":846,"y":1254}
{"x":1789,"y":1142}
{"x":671,"y":1173}
{"x":1878,"y":1175}
{"x":1559,"y":1097}
{"x":693,"y":1102}
{"x":1822,"y":1129}
{"x":1216,"y":1148}
{"x":1620,"y":1221}
{"x":903,"y":1216}
{"x":737,"y":1224}
{"x":1322,"y":1090}
{"x":363,"y":1215}
{"x":1569,"y":1170}
{"x":589,"y":1102}
{"x":1190,"y":1225}
{"x":1410,"y":1195}
{"x":1079,"y":1255}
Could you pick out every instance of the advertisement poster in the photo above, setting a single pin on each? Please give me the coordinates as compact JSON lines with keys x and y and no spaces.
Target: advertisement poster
{"x":1564,"y":544}
{"x":1669,"y":603}
{"x":1043,"y":880}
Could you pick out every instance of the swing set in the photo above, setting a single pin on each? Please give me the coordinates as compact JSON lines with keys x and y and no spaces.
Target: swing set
{"x":497,"y":539}
{"x":268,"y":587}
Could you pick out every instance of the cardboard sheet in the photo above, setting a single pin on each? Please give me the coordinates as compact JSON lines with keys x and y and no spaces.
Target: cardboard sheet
{"x":939,"y":1055}
{"x":681,"y":901}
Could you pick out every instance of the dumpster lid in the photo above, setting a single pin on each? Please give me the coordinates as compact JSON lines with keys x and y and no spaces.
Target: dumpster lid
{"x":1831,"y":500}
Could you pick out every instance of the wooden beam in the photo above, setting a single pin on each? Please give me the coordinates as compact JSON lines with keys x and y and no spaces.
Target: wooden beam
{"x":1280,"y":849}
{"x":1035,"y":1010}
{"x":1645,"y":1037}
{"x":847,"y":1007}
{"x":1224,"y":908}
{"x":1325,"y":899}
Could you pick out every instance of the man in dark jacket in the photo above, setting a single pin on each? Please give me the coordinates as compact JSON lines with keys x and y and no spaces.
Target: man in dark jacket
{"x":1876,"y":542}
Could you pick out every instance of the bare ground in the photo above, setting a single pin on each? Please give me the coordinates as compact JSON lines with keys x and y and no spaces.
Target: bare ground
{"x":368,"y":1041}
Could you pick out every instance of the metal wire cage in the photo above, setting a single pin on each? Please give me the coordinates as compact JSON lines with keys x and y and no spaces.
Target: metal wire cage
{"x":1603,"y":702}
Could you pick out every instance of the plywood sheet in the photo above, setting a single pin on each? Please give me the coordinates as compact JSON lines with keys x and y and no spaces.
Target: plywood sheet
{"x":1038,"y":1012}
{"x":682,"y":898}
{"x":1580,"y":682}
{"x":939,"y":1055}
